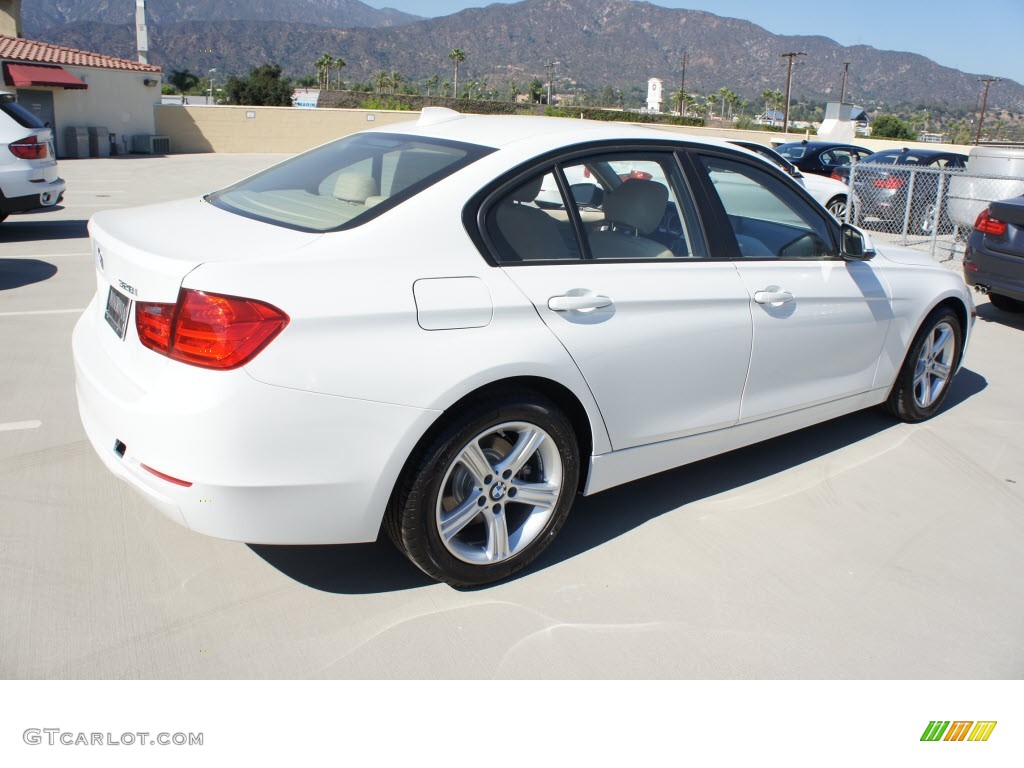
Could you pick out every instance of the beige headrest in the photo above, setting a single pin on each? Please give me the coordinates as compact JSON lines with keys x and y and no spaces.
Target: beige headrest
{"x":637,"y":203}
{"x":355,"y":187}
{"x":529,"y":191}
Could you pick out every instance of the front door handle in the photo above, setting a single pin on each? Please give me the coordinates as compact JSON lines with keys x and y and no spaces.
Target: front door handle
{"x":567,"y":303}
{"x":773,"y":295}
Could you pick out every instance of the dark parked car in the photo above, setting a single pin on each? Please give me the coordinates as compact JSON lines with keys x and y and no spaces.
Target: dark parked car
{"x":822,"y":157}
{"x":994,"y":259}
{"x":883,"y":182}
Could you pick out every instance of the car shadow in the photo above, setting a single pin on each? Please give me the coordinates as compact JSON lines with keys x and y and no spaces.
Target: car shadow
{"x":17,"y":273}
{"x":25,"y":227}
{"x":596,"y":520}
{"x":988,"y":313}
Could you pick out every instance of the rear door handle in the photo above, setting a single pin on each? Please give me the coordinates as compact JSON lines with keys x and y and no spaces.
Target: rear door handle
{"x":773,"y":295}
{"x":567,"y":303}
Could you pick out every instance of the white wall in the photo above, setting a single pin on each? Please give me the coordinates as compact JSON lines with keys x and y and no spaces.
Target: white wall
{"x":115,"y":99}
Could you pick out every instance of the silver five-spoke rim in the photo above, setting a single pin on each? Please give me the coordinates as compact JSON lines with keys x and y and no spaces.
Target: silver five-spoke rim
{"x":499,"y":493}
{"x":934,"y":364}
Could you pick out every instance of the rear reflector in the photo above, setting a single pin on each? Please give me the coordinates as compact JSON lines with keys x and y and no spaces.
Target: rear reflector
{"x":985,"y":223}
{"x":28,"y":148}
{"x":168,"y":478}
{"x":209,"y":330}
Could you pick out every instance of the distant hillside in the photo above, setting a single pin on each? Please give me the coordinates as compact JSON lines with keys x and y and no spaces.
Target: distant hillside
{"x":40,"y":15}
{"x":596,"y":42}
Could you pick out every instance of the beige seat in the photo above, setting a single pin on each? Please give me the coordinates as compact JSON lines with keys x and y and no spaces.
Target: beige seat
{"x":532,"y":234}
{"x":354,"y":188}
{"x":632,"y":210}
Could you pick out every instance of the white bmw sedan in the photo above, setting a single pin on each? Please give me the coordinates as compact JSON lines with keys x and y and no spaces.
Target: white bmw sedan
{"x":388,"y":332}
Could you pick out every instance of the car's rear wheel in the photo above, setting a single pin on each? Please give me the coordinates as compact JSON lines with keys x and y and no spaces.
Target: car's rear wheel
{"x":1006,"y":303}
{"x":488,"y":491}
{"x":924,"y":379}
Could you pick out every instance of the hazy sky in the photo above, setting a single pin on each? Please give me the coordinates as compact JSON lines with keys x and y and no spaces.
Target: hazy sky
{"x":982,"y":38}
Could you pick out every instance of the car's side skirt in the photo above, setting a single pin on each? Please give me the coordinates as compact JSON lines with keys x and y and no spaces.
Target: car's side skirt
{"x":618,"y":467}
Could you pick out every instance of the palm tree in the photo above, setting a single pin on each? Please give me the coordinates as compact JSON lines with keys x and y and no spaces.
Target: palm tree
{"x":457,"y":56}
{"x":380,"y":80}
{"x":183,"y":80}
{"x":323,"y":65}
{"x":431,"y":82}
{"x":513,"y":89}
{"x":724,"y":94}
{"x":711,"y":100}
{"x":444,"y":88}
{"x":339,"y":63}
{"x":395,"y":79}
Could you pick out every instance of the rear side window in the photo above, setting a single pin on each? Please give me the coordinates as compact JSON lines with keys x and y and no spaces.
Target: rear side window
{"x":346,"y":182}
{"x":19,"y":114}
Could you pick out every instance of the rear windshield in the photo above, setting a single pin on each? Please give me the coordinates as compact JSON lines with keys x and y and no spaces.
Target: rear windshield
{"x":19,"y":114}
{"x":792,"y":152}
{"x":347,"y":182}
{"x":883,"y":158}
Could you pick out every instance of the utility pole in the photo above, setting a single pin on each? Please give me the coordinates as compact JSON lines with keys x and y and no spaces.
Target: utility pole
{"x":789,"y":78}
{"x":682,"y":86}
{"x":846,"y":72}
{"x":551,"y":68}
{"x":984,"y":101}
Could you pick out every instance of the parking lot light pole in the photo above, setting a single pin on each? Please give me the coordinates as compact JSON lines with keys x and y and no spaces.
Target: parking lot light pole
{"x":984,"y":100}
{"x":789,"y":79}
{"x":211,"y":86}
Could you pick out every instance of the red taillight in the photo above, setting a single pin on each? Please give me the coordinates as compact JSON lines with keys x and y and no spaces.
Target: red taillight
{"x":890,"y":183}
{"x":28,"y":148}
{"x":837,"y":176}
{"x":985,"y":223}
{"x":208,"y":329}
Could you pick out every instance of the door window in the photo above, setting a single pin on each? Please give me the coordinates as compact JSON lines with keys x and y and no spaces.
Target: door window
{"x":768,"y":219}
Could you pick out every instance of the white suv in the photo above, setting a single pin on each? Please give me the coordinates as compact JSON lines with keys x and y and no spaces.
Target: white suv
{"x":28,"y":165}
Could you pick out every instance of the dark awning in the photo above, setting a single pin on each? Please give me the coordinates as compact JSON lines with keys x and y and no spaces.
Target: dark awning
{"x":27,"y":75}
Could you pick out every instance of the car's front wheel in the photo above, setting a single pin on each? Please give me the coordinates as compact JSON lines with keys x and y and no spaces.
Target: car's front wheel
{"x":488,"y":491}
{"x":924,"y":379}
{"x":837,"y":207}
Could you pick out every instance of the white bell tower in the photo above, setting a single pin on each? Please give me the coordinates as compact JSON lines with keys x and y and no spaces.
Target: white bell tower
{"x":654,"y":89}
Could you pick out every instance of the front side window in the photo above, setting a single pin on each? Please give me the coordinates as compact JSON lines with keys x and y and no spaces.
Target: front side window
{"x":768,"y":219}
{"x":346,"y":182}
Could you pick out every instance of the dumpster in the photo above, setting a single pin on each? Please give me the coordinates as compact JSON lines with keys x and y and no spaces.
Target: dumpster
{"x":76,"y":141}
{"x":99,"y":142}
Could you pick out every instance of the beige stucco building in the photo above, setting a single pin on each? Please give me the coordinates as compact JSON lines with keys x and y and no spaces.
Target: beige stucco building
{"x":66,"y":87}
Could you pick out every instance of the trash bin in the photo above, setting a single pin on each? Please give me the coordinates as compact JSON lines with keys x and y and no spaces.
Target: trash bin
{"x":99,"y":142}
{"x":76,"y":141}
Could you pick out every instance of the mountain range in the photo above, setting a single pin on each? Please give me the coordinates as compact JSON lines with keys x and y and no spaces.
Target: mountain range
{"x":595,"y":43}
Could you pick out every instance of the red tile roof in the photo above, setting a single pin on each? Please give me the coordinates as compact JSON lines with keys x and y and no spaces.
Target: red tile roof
{"x":17,"y":49}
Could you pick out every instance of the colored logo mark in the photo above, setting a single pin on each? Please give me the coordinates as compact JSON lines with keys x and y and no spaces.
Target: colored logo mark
{"x":958,"y":730}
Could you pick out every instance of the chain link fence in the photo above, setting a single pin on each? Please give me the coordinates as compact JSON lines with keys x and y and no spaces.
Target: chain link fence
{"x":930,"y":209}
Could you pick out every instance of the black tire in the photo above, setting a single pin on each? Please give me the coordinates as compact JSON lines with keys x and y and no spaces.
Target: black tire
{"x":1006,"y":303}
{"x":924,"y":378}
{"x":495,"y":535}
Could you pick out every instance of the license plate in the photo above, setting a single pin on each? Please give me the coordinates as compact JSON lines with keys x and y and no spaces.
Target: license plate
{"x":118,"y":307}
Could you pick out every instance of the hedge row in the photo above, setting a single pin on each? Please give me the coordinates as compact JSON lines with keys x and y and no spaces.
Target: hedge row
{"x":399,"y":101}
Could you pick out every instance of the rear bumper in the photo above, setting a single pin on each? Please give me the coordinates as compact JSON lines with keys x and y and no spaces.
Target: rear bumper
{"x":266,"y":464}
{"x":999,"y":273}
{"x":33,"y":196}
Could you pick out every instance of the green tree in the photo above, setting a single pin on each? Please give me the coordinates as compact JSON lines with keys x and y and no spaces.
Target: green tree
{"x":536,"y":90}
{"x":323,"y":66}
{"x":381,"y":80}
{"x":891,"y":127}
{"x":263,"y":87}
{"x":339,"y":64}
{"x":307,"y":81}
{"x":431,"y":82}
{"x":513,"y":89}
{"x":183,"y":80}
{"x":711,"y":99}
{"x":457,"y":56}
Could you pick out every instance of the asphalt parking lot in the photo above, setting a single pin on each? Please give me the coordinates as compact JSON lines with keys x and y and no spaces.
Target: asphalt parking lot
{"x":860,"y":548}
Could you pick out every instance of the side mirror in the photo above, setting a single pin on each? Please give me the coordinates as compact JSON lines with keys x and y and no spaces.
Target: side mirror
{"x":855,"y":245}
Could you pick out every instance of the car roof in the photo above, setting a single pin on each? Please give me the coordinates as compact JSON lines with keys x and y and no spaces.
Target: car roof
{"x":507,"y":131}
{"x":914,"y":152}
